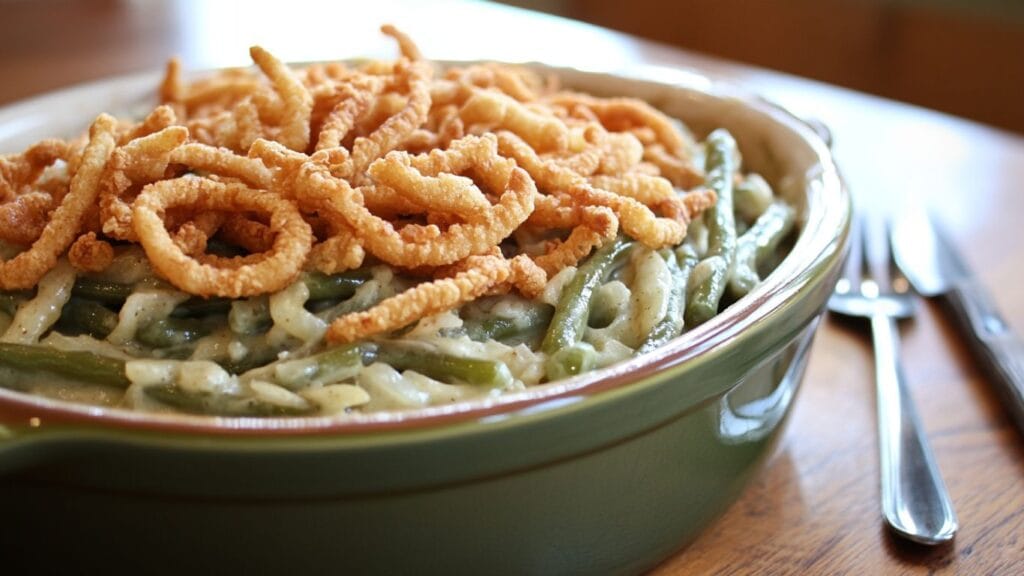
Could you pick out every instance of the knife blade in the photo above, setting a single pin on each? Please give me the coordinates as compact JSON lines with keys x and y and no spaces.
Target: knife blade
{"x":934,"y":266}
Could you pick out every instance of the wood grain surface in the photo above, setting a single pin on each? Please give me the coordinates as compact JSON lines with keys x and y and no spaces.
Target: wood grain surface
{"x":815,"y":507}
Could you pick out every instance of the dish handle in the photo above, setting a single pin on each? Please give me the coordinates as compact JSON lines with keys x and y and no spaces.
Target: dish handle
{"x":754,"y":419}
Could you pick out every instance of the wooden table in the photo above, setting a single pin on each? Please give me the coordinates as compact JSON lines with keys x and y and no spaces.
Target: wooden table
{"x":815,"y":507}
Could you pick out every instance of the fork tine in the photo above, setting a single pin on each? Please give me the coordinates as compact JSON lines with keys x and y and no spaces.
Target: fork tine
{"x":897,"y":280}
{"x":876,"y":252}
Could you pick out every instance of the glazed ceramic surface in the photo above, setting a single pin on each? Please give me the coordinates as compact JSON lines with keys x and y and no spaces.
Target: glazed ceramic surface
{"x":607,"y":473}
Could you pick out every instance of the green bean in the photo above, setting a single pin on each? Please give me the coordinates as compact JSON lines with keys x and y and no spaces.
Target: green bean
{"x":365,"y":296}
{"x":221,"y":405}
{"x":172,"y":332}
{"x":751,"y":197}
{"x":101,"y":290}
{"x":321,"y":287}
{"x":259,"y":354}
{"x":335,"y":286}
{"x":618,"y":267}
{"x":195,"y":307}
{"x":708,"y":281}
{"x":686,"y":255}
{"x":571,"y":314}
{"x":757,"y":244}
{"x":114,"y":294}
{"x":439,"y":366}
{"x":532,"y":320}
{"x":339,"y":357}
{"x":74,"y":364}
{"x":672,"y":324}
{"x":333,"y":364}
{"x":87,"y":316}
{"x":574,"y":359}
{"x":573,"y":310}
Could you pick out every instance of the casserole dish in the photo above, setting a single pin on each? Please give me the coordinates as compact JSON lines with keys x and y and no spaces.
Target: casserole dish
{"x":608,"y":472}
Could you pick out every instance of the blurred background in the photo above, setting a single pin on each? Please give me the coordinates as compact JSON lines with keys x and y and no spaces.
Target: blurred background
{"x":963,"y":57}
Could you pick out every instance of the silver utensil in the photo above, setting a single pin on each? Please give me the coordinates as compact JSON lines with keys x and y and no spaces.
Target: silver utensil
{"x":935,"y":268}
{"x":915,"y":503}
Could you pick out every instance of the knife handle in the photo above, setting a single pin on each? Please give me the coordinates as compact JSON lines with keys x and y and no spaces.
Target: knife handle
{"x":994,"y":344}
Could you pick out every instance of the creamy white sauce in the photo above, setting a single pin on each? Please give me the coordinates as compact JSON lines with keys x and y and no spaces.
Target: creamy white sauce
{"x":35,"y":316}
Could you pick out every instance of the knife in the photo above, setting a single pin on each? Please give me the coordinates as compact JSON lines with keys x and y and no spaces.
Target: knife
{"x":933,"y":265}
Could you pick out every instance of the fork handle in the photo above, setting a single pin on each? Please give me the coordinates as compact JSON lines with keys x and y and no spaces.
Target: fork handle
{"x":914,"y":499}
{"x":998,"y":349}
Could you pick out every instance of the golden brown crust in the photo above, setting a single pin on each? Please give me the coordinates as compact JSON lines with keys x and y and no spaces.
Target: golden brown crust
{"x":24,"y":270}
{"x":89,"y":254}
{"x":423,"y":300}
{"x":23,"y":218}
{"x":274,"y":271}
{"x":440,"y":178}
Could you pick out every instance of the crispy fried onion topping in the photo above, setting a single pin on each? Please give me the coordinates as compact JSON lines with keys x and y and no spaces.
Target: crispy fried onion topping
{"x":477,"y":180}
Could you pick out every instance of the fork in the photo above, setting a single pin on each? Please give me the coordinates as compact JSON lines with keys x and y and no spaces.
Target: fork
{"x":915,"y":503}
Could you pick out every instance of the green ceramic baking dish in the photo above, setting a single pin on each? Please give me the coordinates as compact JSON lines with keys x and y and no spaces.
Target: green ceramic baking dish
{"x":607,"y":473}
